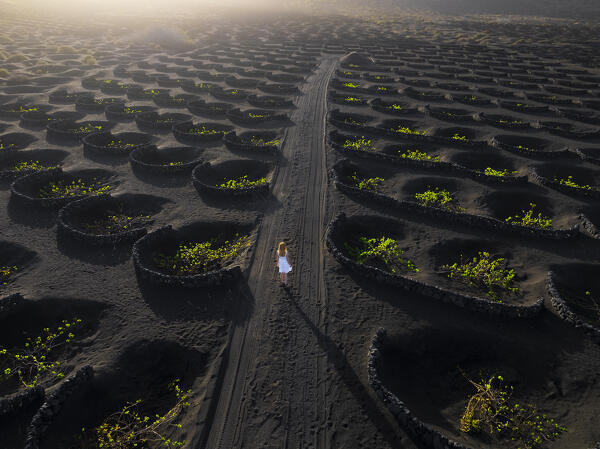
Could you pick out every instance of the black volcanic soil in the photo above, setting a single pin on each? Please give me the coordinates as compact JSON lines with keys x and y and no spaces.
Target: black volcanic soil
{"x":286,"y":368}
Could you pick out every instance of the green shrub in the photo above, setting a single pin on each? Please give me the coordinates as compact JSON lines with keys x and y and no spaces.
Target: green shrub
{"x":491,"y":410}
{"x":489,"y":171}
{"x":242,"y":183}
{"x":359,"y":143}
{"x":36,"y":360}
{"x":528,"y":219}
{"x":395,"y":107}
{"x":484,"y":272}
{"x":78,"y":187}
{"x":570,"y":183}
{"x":373,"y":184}
{"x":117,"y":222}
{"x":6,"y":272}
{"x":31,"y":165}
{"x":417,"y":155}
{"x":438,"y":198}
{"x":4,"y":73}
{"x":254,"y":140}
{"x":353,"y":100}
{"x":204,"y":131}
{"x":383,"y":251}
{"x":129,"y":428}
{"x":406,"y":130}
{"x":201,"y":257}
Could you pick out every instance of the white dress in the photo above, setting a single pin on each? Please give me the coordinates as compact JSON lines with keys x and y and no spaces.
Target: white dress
{"x":284,"y":265}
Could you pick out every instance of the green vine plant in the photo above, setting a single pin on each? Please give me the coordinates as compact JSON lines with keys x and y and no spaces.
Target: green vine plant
{"x":484,"y":272}
{"x":35,"y":362}
{"x":86,"y":129}
{"x":242,"y":182}
{"x":359,"y":143}
{"x":356,"y":100}
{"x":570,"y":183}
{"x":406,"y":130}
{"x":120,"y":144}
{"x":527,"y":218}
{"x":202,"y":257}
{"x":129,"y":428}
{"x":258,"y":141}
{"x":437,"y":197}
{"x":457,"y":136}
{"x":32,"y":165}
{"x":117,"y":222}
{"x":353,"y":121}
{"x":491,"y":410}
{"x":510,"y":122}
{"x":23,"y":109}
{"x":373,"y":184}
{"x":78,"y":187}
{"x":524,"y":148}
{"x":489,"y":171}
{"x":257,"y":116}
{"x":6,"y":272}
{"x":6,"y":146}
{"x":589,"y":302}
{"x":417,"y":155}
{"x":380,"y":252}
{"x":204,"y":131}
{"x":395,"y":107}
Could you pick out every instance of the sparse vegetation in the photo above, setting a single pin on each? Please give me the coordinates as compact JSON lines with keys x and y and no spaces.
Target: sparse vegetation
{"x":436,"y":197}
{"x":489,"y":171}
{"x":78,"y":187}
{"x":36,"y":361}
{"x":417,"y":155}
{"x":568,"y":181}
{"x":201,"y":257}
{"x":31,"y":165}
{"x":6,"y":272}
{"x":382,"y":252}
{"x":527,"y":218}
{"x":118,"y":143}
{"x":491,"y":410}
{"x":373,"y":184}
{"x":116,"y":222}
{"x":204,"y":131}
{"x":242,"y":182}
{"x":258,"y":141}
{"x":485,"y":272}
{"x":588,"y":301}
{"x":129,"y":428}
{"x":359,"y":143}
{"x":400,"y":129}
{"x":459,"y":137}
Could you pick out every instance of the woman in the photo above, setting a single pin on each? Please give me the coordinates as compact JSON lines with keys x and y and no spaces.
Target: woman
{"x":283,"y":262}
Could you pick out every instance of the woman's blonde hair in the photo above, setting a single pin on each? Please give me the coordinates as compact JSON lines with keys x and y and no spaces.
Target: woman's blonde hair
{"x":281,"y":249}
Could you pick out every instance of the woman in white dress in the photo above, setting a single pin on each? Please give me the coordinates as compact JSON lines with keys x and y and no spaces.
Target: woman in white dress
{"x":283,"y":262}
